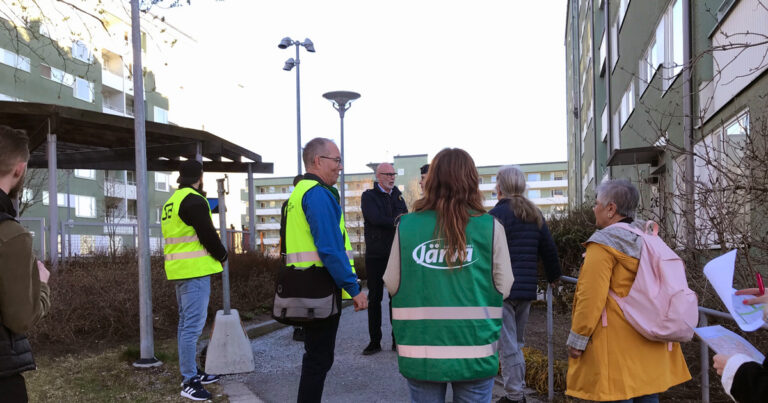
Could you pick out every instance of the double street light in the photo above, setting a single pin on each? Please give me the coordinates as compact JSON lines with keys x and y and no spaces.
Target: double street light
{"x":341,"y":100}
{"x":289,"y":65}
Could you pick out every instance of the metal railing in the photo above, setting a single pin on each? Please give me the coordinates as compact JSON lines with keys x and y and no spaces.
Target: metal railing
{"x":703,"y":352}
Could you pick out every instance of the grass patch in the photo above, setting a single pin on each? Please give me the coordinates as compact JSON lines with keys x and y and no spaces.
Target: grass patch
{"x":109,"y":377}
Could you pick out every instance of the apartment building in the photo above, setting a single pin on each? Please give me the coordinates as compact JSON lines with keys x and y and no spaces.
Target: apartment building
{"x":85,"y":63}
{"x":547,"y":187}
{"x":664,"y":93}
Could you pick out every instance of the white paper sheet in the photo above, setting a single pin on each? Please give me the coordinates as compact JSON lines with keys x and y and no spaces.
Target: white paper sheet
{"x":719,"y":272}
{"x":724,"y":341}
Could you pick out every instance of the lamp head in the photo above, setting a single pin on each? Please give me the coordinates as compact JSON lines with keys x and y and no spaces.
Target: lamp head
{"x":308,"y":45}
{"x":341,"y":98}
{"x":285,"y":42}
{"x":289,"y":64}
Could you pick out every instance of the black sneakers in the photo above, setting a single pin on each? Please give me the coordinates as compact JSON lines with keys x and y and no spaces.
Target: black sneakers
{"x":194,"y":390}
{"x":372,"y":348}
{"x":205,"y":379}
{"x":298,"y":334}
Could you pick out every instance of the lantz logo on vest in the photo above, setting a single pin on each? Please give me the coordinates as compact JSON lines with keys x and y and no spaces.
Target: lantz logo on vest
{"x":432,"y":254}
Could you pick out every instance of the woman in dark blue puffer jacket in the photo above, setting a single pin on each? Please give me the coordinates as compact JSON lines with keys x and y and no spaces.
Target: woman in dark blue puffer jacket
{"x":529,"y":239}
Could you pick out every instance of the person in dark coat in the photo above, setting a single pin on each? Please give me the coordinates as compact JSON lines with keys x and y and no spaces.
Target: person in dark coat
{"x":381,"y":207}
{"x":529,"y":240}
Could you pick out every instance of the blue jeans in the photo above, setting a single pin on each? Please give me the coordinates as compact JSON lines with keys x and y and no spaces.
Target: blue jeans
{"x":511,"y":344}
{"x":480,"y":391}
{"x":192,"y":296}
{"x":654,"y":398}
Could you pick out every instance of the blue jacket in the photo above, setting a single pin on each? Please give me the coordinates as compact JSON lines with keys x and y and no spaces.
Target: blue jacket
{"x":323,"y":212}
{"x":527,"y":243}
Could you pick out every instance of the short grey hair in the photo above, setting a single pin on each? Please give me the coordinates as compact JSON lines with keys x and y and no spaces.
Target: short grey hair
{"x":622,"y":193}
{"x":510,"y":180}
{"x":313,"y":148}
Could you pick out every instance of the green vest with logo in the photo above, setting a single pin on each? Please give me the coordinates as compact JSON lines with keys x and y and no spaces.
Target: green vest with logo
{"x":446,"y":320}
{"x":185,"y":256}
{"x":300,"y":249}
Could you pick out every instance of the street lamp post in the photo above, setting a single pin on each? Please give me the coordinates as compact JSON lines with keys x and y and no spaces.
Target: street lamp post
{"x":289,"y":65}
{"x":341,"y":100}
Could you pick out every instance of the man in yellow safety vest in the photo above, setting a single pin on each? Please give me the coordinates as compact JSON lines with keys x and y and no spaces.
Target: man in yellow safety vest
{"x":193,"y":252}
{"x":315,"y":237}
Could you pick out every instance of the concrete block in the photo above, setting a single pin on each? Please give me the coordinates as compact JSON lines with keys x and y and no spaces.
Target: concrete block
{"x":229,"y":351}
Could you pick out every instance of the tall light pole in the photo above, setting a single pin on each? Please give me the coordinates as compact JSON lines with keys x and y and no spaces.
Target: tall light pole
{"x":289,"y":65}
{"x":341,"y":100}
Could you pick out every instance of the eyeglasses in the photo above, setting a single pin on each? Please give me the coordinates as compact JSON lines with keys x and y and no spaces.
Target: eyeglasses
{"x":390,"y":174}
{"x":337,"y":160}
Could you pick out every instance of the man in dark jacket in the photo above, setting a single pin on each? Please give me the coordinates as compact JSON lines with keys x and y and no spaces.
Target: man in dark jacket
{"x":23,"y":279}
{"x":381,"y":207}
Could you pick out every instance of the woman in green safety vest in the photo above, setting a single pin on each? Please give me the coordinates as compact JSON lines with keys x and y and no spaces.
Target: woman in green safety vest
{"x":448,"y":274}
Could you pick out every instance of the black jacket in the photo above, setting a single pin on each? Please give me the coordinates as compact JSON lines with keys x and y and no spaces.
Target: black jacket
{"x":380,"y":212}
{"x":750,"y":384}
{"x":527,"y":243}
{"x":15,"y":351}
{"x":194,"y":211}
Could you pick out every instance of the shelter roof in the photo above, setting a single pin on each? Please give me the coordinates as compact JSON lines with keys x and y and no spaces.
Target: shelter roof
{"x":94,"y":140}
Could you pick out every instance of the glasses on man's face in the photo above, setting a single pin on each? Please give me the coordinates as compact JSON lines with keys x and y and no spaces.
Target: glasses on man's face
{"x":337,"y":160}
{"x":390,"y":174}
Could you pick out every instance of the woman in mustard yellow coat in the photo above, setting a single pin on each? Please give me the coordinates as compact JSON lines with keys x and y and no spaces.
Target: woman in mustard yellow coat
{"x":608,"y":359}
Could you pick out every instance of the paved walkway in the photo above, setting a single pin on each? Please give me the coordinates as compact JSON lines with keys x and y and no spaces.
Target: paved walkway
{"x":353,"y":377}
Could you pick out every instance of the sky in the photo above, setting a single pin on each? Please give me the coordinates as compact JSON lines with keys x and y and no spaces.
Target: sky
{"x":485,"y":76}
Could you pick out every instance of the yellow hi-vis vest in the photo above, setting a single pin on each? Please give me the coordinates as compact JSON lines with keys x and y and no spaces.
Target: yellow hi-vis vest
{"x":300,"y":249}
{"x":185,"y":256}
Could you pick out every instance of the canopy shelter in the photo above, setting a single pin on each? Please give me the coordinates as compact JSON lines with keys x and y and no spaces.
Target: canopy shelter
{"x":70,"y":138}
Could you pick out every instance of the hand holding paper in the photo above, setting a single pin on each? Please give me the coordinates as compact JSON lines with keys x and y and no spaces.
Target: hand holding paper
{"x":719,"y":272}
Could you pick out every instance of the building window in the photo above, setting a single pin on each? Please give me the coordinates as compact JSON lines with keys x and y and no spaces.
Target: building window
{"x":534,"y":177}
{"x":158,"y":214}
{"x":14,"y":60}
{"x":401,"y":171}
{"x":558,"y":176}
{"x":85,"y":206}
{"x":673,"y":42}
{"x":85,"y":173}
{"x":558,"y":192}
{"x":493,"y":179}
{"x":81,"y":52}
{"x":283,"y":189}
{"x":56,"y":75}
{"x":627,"y":103}
{"x":161,"y":115}
{"x":263,"y":205}
{"x":161,"y":181}
{"x":534,"y":194}
{"x":83,"y":90}
{"x":623,"y":5}
{"x":614,"y":44}
{"x":271,"y":189}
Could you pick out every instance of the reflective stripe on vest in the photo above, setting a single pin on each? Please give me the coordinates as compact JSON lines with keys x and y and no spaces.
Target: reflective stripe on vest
{"x":447,"y":352}
{"x":300,"y":249}
{"x":181,"y":239}
{"x":299,"y":257}
{"x":185,"y":256}
{"x":447,"y":312}
{"x":450,"y":333}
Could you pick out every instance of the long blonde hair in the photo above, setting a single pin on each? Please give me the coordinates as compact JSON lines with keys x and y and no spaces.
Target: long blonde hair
{"x":510,"y":182}
{"x":452,"y":190}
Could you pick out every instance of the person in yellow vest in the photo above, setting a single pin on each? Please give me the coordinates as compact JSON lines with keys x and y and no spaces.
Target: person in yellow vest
{"x":315,"y":237}
{"x":448,"y":273}
{"x":193,"y":252}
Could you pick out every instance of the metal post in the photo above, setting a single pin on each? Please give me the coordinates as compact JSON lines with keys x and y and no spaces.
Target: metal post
{"x":53,"y":203}
{"x":704,"y":355}
{"x":690,"y":186}
{"x":251,"y":210}
{"x":298,"y":110}
{"x":69,"y":217}
{"x":550,"y":349}
{"x":147,"y":346}
{"x":343,"y":198}
{"x":224,"y":240}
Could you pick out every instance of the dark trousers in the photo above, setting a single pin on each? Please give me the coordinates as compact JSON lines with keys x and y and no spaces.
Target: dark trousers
{"x":13,"y":389}
{"x":319,"y":346}
{"x":375,"y":268}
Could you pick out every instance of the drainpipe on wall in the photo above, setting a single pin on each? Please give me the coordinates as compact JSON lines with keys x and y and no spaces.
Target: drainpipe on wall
{"x":608,"y":71}
{"x":591,"y":11}
{"x":690,"y":222}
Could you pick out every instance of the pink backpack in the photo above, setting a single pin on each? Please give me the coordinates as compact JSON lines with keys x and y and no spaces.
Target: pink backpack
{"x":660,"y":306}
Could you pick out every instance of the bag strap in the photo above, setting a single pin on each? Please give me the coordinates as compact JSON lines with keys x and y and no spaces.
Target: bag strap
{"x":651,"y":227}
